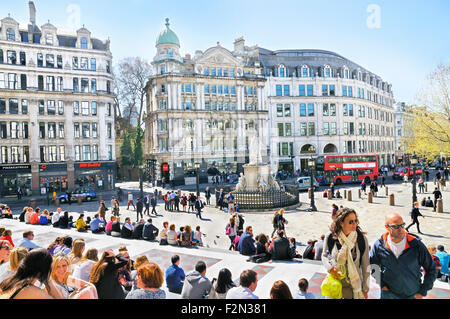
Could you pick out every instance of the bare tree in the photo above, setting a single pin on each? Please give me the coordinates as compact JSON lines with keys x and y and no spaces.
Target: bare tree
{"x":131,"y":79}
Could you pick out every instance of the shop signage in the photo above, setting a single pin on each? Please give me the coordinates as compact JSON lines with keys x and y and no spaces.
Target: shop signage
{"x":90,"y":165}
{"x":165,"y":168}
{"x":13,"y":167}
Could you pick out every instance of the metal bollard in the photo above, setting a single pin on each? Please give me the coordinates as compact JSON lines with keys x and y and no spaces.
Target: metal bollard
{"x":370,"y":198}
{"x":57,"y":204}
{"x":387,"y":190}
{"x":309,"y":193}
{"x":359,"y":193}
{"x":345,"y":194}
{"x":349,"y":196}
{"x":329,"y":194}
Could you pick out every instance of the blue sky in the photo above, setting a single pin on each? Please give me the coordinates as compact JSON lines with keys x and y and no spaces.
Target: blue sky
{"x":401,"y":41}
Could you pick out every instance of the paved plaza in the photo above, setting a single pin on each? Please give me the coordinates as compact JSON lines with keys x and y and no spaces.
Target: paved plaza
{"x":303,"y":225}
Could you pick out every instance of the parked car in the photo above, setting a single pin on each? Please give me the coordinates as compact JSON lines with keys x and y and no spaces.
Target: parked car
{"x":400,"y":172}
{"x":86,"y":193}
{"x":304,"y":183}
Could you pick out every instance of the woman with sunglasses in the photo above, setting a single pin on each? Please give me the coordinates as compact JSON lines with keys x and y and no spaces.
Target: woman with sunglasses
{"x":346,"y":253}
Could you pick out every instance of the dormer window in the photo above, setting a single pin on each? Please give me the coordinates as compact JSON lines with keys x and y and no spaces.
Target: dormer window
{"x":170,"y":53}
{"x":10,"y":35}
{"x":84,"y":43}
{"x":359,"y":76}
{"x":282,"y":71}
{"x":327,"y":72}
{"x":49,"y":39}
{"x":304,"y":72}
{"x":346,"y":73}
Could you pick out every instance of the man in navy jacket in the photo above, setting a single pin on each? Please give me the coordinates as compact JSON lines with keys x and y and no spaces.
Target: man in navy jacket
{"x":400,"y":257}
{"x":246,"y":245}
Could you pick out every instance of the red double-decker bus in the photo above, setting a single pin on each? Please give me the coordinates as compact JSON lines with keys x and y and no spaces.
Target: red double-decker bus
{"x":339,"y":169}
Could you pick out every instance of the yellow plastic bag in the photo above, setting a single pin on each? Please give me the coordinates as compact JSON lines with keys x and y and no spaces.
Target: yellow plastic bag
{"x":331,"y":287}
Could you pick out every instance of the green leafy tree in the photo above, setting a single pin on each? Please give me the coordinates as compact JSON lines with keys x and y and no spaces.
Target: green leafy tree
{"x":138,"y":156}
{"x":126,"y":151}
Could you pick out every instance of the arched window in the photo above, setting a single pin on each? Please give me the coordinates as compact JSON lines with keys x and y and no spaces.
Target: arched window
{"x":49,"y":39}
{"x":346,"y":73}
{"x":305,"y":72}
{"x":327,"y":71}
{"x":282,"y":71}
{"x":330,"y":148}
{"x":308,"y":149}
{"x":10,"y":35}
{"x":84,"y":43}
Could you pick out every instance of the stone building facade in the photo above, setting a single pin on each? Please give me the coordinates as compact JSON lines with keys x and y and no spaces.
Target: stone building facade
{"x":56,"y":109}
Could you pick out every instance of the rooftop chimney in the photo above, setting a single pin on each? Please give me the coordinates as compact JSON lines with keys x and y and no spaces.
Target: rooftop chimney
{"x":32,"y":12}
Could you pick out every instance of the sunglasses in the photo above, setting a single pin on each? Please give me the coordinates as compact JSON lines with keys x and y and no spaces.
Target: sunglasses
{"x":5,"y":247}
{"x":397,"y":226}
{"x":353,"y":221}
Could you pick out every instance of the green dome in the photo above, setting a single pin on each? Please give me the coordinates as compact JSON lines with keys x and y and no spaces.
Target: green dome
{"x":167,"y":36}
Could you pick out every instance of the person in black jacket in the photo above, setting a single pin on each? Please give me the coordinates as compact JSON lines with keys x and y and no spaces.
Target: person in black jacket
{"x":280,"y":247}
{"x":149,"y":231}
{"x":127,"y":229}
{"x":437,"y":194}
{"x":139,"y":209}
{"x":308,"y":253}
{"x":105,"y":276}
{"x":64,"y":221}
{"x":415,"y":213}
{"x":207,"y":195}
{"x":153,"y":202}
{"x":198,"y":207}
{"x":137,"y":231}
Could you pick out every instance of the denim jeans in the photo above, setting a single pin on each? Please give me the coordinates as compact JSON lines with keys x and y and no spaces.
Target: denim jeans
{"x":391,"y":295}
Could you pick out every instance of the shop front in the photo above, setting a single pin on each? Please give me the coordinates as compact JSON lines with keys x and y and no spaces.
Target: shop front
{"x":13,"y":176}
{"x":97,"y":175}
{"x":55,"y":176}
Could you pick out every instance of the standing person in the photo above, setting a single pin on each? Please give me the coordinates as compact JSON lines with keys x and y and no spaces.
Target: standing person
{"x":363,"y":186}
{"x":113,"y":200}
{"x":130,"y":201}
{"x":69,"y":197}
{"x":248,"y":282}
{"x":347,"y":253}
{"x":198,"y":207}
{"x":19,"y":193}
{"x":102,"y":210}
{"x":383,"y":179}
{"x":415,"y":213}
{"x":105,"y":276}
{"x":437,"y":195}
{"x":116,"y":209}
{"x":196,"y":285}
{"x":231,"y":231}
{"x":230,"y":200}
{"x":139,"y":208}
{"x":154,"y":202}
{"x":208,"y":195}
{"x":191,"y":202}
{"x":401,"y":258}
{"x":221,"y":199}
{"x":119,"y":194}
{"x":175,"y":276}
{"x":275,"y":218}
{"x":421,"y":185}
{"x":147,"y":204}
{"x":166,"y":201}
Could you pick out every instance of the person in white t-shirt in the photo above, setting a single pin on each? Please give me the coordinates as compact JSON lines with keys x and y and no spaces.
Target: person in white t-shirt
{"x":248,"y":284}
{"x":56,"y":216}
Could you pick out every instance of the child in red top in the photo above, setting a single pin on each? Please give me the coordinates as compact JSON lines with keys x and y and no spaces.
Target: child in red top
{"x":7,"y":236}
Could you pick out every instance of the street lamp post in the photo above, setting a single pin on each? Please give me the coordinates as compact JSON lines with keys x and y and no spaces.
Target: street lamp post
{"x":312,"y":164}
{"x":197,"y":167}
{"x":414,"y":190}
{"x":141,"y":183}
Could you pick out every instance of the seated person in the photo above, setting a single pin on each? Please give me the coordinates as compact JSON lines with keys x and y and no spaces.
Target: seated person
{"x":34,"y":217}
{"x":280,"y":248}
{"x":429,"y":203}
{"x":64,"y":221}
{"x":81,"y":224}
{"x":116,"y":230}
{"x":138,"y":230}
{"x":6,"y":212}
{"x":97,"y":225}
{"x":127,"y":229}
{"x":43,"y":219}
{"x":149,"y":231}
{"x":338,"y":194}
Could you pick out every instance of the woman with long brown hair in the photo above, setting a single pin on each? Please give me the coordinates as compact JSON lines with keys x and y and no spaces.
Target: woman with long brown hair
{"x":105,"y":276}
{"x":346,"y":253}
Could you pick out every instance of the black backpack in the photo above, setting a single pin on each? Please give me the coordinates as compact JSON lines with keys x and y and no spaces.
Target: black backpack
{"x":359,"y":240}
